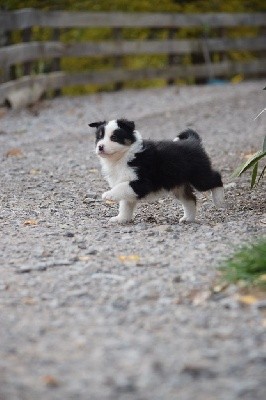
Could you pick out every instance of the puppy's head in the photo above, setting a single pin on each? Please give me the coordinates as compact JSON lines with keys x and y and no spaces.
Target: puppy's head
{"x":114,"y":138}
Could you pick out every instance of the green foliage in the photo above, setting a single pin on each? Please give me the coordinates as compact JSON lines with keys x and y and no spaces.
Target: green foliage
{"x":247,"y":265}
{"x":141,"y":5}
{"x":253,"y":163}
{"x":133,"y":62}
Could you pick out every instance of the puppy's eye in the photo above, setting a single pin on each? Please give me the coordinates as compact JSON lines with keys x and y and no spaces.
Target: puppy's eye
{"x":114,"y":137}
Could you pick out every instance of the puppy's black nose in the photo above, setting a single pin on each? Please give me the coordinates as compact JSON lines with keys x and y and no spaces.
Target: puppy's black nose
{"x":101,"y":147}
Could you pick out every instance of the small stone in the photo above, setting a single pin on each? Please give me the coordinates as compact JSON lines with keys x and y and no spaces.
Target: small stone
{"x":177,"y":279}
{"x":92,"y":252}
{"x":82,"y":245}
{"x":70,"y":234}
{"x":198,"y":371}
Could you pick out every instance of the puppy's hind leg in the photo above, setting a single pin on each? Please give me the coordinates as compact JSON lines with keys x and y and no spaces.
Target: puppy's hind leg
{"x":126,"y":209}
{"x":188,"y":200}
{"x":209,"y":179}
{"x":218,"y":196}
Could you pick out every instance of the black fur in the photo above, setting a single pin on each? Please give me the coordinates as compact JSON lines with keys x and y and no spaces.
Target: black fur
{"x":189,"y":134}
{"x":97,"y":124}
{"x":99,"y":134}
{"x":124,"y":137}
{"x":167,"y":165}
{"x":128,"y":126}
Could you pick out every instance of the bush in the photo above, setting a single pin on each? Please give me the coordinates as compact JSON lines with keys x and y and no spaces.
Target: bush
{"x":247,"y":265}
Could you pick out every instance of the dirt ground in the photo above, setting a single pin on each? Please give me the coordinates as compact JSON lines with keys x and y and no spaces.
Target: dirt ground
{"x":93,"y":311}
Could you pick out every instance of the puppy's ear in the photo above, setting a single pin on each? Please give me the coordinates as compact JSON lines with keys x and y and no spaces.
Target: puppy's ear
{"x":128,"y":126}
{"x":97,"y":124}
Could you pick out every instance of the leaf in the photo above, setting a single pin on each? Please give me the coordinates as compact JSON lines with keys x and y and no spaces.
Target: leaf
{"x":16,"y":152}
{"x":50,"y":380}
{"x":110,"y":202}
{"x":200,"y":297}
{"x":29,"y":301}
{"x":248,"y":300}
{"x":34,"y":171}
{"x":129,"y":258}
{"x":249,"y":163}
{"x":262,"y":174}
{"x":84,"y":258}
{"x":237,"y":78}
{"x":264,"y":144}
{"x":30,"y":222}
{"x":254,"y":174}
{"x":260,"y":113}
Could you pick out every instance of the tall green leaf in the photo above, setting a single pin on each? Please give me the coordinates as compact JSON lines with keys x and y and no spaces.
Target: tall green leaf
{"x":264,"y":144}
{"x":254,"y":174}
{"x":249,"y":163}
{"x":262,"y":174}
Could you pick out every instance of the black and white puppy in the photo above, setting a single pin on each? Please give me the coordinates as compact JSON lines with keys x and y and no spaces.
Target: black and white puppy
{"x":137,"y":168}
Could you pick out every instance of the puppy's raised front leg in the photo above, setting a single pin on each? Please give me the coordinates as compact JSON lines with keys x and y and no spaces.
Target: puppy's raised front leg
{"x":122,"y":191}
{"x":126,"y":209}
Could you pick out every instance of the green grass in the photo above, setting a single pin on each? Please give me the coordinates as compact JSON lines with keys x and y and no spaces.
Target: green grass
{"x":247,"y":265}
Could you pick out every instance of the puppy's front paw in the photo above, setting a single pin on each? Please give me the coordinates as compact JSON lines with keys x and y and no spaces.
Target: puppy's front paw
{"x":119,"y":219}
{"x":108,"y":196}
{"x":186,"y":219}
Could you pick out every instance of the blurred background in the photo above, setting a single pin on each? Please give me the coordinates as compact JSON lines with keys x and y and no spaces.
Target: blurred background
{"x":108,"y":49}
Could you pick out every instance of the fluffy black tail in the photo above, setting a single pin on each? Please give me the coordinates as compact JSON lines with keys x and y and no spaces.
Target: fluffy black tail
{"x":188,"y":134}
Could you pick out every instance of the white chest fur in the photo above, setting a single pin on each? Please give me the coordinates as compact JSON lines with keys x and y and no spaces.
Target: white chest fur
{"x":117,"y":172}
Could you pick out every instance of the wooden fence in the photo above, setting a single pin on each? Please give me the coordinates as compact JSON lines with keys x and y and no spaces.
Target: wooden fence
{"x":25,"y":53}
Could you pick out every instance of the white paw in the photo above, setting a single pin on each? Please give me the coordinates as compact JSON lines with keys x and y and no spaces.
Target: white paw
{"x":218,"y":197}
{"x":119,"y":219}
{"x":185,"y":219}
{"x":108,"y":196}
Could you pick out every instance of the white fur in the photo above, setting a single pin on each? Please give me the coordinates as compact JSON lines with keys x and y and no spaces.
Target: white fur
{"x":118,"y":174}
{"x":126,"y":210}
{"x":218,"y":197}
{"x":189,"y":206}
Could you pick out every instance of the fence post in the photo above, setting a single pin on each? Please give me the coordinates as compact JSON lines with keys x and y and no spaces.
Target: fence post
{"x":11,"y":70}
{"x":172,"y":58}
{"x":118,"y":60}
{"x":26,"y":37}
{"x":5,"y":68}
{"x":56,"y":62}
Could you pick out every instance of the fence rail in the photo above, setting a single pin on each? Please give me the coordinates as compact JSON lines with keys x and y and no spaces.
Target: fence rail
{"x":28,"y":18}
{"x":200,"y":48}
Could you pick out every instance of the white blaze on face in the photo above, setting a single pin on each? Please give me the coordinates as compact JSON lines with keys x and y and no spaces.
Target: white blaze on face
{"x":106,"y":147}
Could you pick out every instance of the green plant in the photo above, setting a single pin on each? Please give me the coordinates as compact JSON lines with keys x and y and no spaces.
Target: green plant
{"x":253,"y":162}
{"x":248,"y":265}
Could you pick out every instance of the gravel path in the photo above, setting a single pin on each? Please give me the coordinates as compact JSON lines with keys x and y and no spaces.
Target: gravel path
{"x":95,"y":311}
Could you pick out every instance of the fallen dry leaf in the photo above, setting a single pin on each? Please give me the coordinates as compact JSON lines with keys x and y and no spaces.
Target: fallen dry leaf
{"x":220,"y":287}
{"x":16,"y":152}
{"x":50,"y":381}
{"x":29,"y":301}
{"x":201,"y":297}
{"x":247,"y":299}
{"x":30,"y":222}
{"x":129,"y":258}
{"x":34,"y":171}
{"x":84,"y":258}
{"x":93,"y":171}
{"x":110,"y":202}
